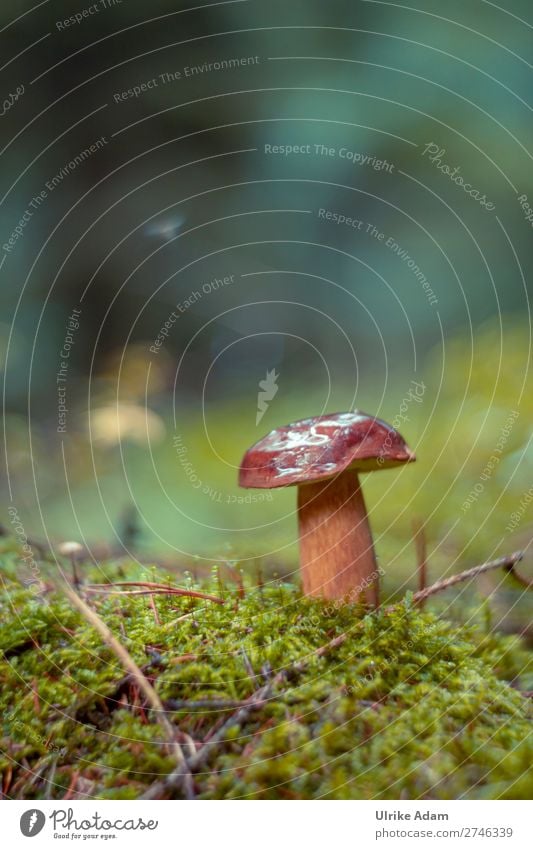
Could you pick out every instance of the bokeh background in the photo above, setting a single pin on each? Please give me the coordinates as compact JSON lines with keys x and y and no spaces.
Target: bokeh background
{"x":181,"y":196}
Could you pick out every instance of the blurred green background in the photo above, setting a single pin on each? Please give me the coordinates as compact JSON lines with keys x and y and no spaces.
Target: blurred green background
{"x":182,"y":192}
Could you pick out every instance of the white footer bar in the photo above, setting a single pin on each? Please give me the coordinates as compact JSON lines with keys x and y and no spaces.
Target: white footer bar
{"x":268,"y":824}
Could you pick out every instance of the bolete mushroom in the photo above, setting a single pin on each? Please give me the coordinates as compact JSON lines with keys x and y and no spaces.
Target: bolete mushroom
{"x":323,"y":457}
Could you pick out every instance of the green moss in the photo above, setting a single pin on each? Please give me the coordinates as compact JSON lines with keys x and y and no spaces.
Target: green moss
{"x":408,"y":706}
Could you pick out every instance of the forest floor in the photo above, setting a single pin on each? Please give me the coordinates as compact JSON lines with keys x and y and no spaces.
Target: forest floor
{"x":267,"y":695}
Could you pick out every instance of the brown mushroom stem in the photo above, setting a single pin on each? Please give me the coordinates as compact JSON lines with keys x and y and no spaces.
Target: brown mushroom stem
{"x":75,"y":577}
{"x":336,"y":547}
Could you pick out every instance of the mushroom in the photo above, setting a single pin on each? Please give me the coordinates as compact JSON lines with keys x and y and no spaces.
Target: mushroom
{"x":72,"y":550}
{"x":323,"y":457}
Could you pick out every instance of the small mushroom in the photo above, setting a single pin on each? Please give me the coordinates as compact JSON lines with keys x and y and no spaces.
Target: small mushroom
{"x":323,"y":457}
{"x":72,"y":550}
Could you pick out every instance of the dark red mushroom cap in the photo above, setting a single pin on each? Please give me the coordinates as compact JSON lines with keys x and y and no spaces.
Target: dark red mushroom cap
{"x":319,"y":448}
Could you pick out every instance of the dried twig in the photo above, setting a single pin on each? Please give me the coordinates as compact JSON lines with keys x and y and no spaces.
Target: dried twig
{"x":205,"y":704}
{"x":419,"y":535}
{"x":507,"y":562}
{"x":72,"y":786}
{"x":174,"y":780}
{"x":154,"y":608}
{"x":248,"y":665}
{"x":150,"y":588}
{"x":144,"y":685}
{"x":520,"y":578}
{"x":236,"y":576}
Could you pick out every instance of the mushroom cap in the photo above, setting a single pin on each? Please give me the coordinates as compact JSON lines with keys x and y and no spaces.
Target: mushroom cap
{"x":319,"y":448}
{"x":69,"y":548}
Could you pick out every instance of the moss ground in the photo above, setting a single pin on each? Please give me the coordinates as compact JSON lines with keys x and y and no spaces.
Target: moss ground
{"x":407,"y":707}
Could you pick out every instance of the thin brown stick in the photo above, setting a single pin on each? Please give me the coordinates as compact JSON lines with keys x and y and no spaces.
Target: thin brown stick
{"x":72,"y":785}
{"x":236,"y":576}
{"x":36,"y":700}
{"x":206,"y":704}
{"x":520,"y":578}
{"x":135,"y":592}
{"x":144,"y":685}
{"x":248,"y":665}
{"x":419,"y":536}
{"x":507,"y":562}
{"x":150,"y":587}
{"x":154,"y":608}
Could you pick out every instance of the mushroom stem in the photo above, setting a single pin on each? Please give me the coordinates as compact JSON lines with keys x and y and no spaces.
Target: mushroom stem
{"x":336,"y":547}
{"x":75,"y":577}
